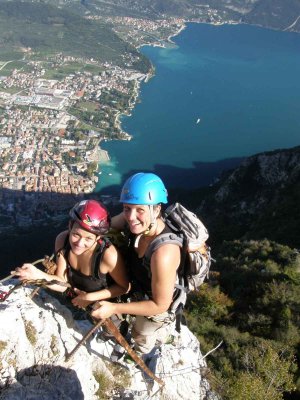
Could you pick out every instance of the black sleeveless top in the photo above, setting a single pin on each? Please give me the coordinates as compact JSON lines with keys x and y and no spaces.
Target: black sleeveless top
{"x":88,"y":283}
{"x":139,"y":269}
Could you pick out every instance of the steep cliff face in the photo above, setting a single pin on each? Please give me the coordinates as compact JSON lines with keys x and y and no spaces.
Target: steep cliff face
{"x":261,"y":198}
{"x":36,"y":334}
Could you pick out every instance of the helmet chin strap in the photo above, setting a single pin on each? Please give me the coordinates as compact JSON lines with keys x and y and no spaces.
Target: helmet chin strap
{"x":152,"y":221}
{"x":147,"y":231}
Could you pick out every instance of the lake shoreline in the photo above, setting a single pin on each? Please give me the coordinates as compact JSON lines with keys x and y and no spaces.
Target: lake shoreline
{"x":146,"y":78}
{"x":179,"y":113}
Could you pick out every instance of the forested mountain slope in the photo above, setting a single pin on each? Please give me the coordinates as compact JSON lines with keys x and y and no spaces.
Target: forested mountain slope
{"x":47,"y":29}
{"x":251,"y":301}
{"x":250,"y":308}
{"x":276,"y":14}
{"x":260,"y":198}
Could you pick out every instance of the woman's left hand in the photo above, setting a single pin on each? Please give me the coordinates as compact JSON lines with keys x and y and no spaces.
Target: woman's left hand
{"x":80,"y":300}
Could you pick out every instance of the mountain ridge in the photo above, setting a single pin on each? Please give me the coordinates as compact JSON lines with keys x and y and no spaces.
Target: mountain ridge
{"x":259,"y":199}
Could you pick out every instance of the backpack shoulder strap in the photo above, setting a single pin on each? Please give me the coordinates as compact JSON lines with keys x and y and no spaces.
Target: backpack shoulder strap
{"x":66,"y":247}
{"x":180,"y":294}
{"x":160,"y":240}
{"x":98,"y":255}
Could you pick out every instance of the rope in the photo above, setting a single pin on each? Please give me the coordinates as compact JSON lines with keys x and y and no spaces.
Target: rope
{"x":122,"y":341}
{"x":36,"y":282}
{"x":40,"y":260}
{"x":108,"y":323}
{"x":85,"y":338}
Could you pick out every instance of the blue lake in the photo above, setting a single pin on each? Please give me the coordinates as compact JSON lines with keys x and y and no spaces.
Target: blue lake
{"x":222,"y":93}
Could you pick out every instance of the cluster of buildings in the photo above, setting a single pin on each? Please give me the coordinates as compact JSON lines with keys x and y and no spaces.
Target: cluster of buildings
{"x":46,"y":153}
{"x":139,"y":31}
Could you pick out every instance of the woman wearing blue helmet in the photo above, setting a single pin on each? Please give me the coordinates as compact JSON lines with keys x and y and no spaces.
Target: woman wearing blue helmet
{"x":153,"y":285}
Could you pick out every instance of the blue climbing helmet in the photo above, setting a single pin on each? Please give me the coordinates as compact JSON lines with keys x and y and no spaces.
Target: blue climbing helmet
{"x":144,"y":188}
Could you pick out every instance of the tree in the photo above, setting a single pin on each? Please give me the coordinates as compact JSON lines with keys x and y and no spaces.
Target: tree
{"x":253,"y":306}
{"x":266,"y":374}
{"x":91,"y":168}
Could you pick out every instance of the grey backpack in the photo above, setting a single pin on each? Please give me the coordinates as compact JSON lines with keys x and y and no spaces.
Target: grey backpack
{"x":190,"y":234}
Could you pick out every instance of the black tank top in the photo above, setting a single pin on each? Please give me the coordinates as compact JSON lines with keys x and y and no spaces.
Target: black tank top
{"x":140,"y":270}
{"x":88,"y":283}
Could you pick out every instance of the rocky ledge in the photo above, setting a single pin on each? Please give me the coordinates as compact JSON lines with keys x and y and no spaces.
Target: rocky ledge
{"x":37,"y":334}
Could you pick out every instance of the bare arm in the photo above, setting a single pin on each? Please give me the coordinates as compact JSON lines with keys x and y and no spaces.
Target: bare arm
{"x":118,"y":222}
{"x":29,"y":271}
{"x":113,"y":264}
{"x":164,"y":264}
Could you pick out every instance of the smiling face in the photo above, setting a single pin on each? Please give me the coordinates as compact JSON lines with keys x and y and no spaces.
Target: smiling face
{"x":81,"y":240}
{"x":139,"y":217}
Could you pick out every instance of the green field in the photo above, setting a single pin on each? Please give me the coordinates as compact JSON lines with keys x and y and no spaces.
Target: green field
{"x":70,"y":68}
{"x":48,"y":30}
{"x":7,"y":68}
{"x":11,"y":90}
{"x":7,"y":53}
{"x":88,"y":106}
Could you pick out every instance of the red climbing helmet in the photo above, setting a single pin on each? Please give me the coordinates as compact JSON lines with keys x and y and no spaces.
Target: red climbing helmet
{"x":92,"y":216}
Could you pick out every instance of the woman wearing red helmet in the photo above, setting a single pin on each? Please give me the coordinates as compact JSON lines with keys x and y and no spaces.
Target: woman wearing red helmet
{"x":84,"y":258}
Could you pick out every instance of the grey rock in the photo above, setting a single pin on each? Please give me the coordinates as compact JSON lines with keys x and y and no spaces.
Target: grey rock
{"x":36,"y":335}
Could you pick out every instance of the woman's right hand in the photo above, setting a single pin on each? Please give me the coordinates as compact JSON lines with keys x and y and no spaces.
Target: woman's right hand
{"x":27,"y":271}
{"x":103,"y":310}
